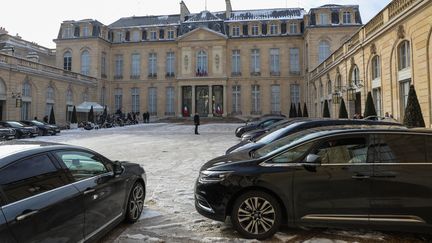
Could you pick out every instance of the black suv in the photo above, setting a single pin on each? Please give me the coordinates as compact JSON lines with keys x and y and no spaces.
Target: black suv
{"x":45,"y":129}
{"x":374,"y":177}
{"x":7,"y":133}
{"x":263,"y":122}
{"x":22,"y":130}
{"x":61,"y":193}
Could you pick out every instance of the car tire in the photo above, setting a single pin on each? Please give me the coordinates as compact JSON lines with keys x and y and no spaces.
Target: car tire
{"x":135,"y":203}
{"x":256,"y":215}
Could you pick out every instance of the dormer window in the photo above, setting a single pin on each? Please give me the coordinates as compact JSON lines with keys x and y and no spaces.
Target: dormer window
{"x":68,"y":32}
{"x":347,"y":17}
{"x":153,"y":35}
{"x":255,"y":30}
{"x":293,"y":28}
{"x":236,"y":31}
{"x":324,"y":19}
{"x":119,"y":37}
{"x":135,"y":36}
{"x":85,"y":31}
{"x":274,"y":29}
{"x":170,"y":34}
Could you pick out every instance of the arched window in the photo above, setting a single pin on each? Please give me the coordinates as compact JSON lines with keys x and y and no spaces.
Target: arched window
{"x":355,"y":76}
{"x":404,"y":55}
{"x":50,"y":93}
{"x":329,"y":87}
{"x":339,"y":82}
{"x":202,"y":63}
{"x":324,"y":51}
{"x":26,"y":92}
{"x":67,"y":61}
{"x":376,"y":69}
{"x":85,"y":63}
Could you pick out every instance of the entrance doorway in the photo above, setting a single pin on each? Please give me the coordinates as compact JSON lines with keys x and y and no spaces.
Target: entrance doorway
{"x":202,"y":100}
{"x":186,"y":101}
{"x":218,"y":105}
{"x":358,"y":108}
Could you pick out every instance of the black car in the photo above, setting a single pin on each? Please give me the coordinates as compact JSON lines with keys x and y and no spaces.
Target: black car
{"x":22,"y":130}
{"x":45,"y":129}
{"x":6,"y":133}
{"x":298,"y":125}
{"x":258,"y":124}
{"x":373,"y":177}
{"x":61,"y":193}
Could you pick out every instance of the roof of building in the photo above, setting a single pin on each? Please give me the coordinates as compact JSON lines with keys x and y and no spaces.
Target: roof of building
{"x":267,"y":14}
{"x":204,"y":16}
{"x":146,"y":21}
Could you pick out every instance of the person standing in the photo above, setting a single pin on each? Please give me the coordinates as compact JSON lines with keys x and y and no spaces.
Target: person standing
{"x":196,"y":122}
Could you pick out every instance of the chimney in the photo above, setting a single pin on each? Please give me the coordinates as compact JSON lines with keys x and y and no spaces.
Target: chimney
{"x":3,"y":31}
{"x":228,"y":8}
{"x":184,"y":11}
{"x":33,"y":56}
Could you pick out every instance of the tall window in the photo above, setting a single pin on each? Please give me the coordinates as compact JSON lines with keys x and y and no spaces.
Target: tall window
{"x":376,"y":93}
{"x":103,"y":96}
{"x":295,"y":93}
{"x":170,"y":64}
{"x":376,"y":71}
{"x":152,"y":101}
{"x":85,"y":63}
{"x":347,"y":17}
{"x":324,"y":51}
{"x":235,"y":63}
{"x":118,"y":74}
{"x":202,"y":63}
{"x":170,"y":101}
{"x":339,"y":82}
{"x":236,"y":31}
{"x":49,"y":99}
{"x":67,"y":61}
{"x":152,"y":68}
{"x":153,"y":35}
{"x":275,"y":99}
{"x":118,"y":99}
{"x":324,"y":19}
{"x":404,"y":55}
{"x":85,"y":31}
{"x":136,"y":66}
{"x":293,"y":28}
{"x":255,"y":30}
{"x":170,"y":34}
{"x":274,"y":29}
{"x":135,"y":99}
{"x":236,"y":99}
{"x":255,"y":61}
{"x":274,"y":61}
{"x":26,"y":93}
{"x":256,"y":100}
{"x":295,"y":60}
{"x":404,"y":90}
{"x":103,"y":65}
{"x":329,"y":87}
{"x":355,"y":76}
{"x":136,"y":36}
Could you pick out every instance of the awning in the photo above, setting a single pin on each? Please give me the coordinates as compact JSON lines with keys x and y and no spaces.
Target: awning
{"x":86,"y":106}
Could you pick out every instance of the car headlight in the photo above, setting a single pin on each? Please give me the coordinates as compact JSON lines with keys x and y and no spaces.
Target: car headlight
{"x":246,"y":137}
{"x":208,"y":176}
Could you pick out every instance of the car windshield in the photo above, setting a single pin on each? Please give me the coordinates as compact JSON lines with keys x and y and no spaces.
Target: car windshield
{"x":37,"y":123}
{"x":288,"y":141}
{"x":15,"y":124}
{"x":268,"y":138}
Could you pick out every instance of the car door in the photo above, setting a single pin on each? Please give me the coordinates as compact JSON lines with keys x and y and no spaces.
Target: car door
{"x":401,"y":183}
{"x":103,"y":193}
{"x":5,"y":234}
{"x":41,"y":205}
{"x":335,"y":191}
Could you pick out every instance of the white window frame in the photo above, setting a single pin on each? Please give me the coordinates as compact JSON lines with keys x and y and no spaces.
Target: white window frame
{"x":152,"y":100}
{"x":404,"y":55}
{"x":347,"y":17}
{"x":118,"y":98}
{"x":256,"y":99}
{"x":152,"y":64}
{"x":376,"y":67}
{"x":274,"y":29}
{"x":170,"y":99}
{"x":136,"y":36}
{"x":324,"y":18}
{"x":275,"y":60}
{"x":118,"y":72}
{"x":170,"y":63}
{"x":236,"y":62}
{"x":67,"y":61}
{"x":295,"y":60}
{"x":324,"y":51}
{"x":295,"y":93}
{"x":85,"y":62}
{"x":255,"y":30}
{"x":275,"y":99}
{"x":236,"y":93}
{"x":85,"y":31}
{"x":293,"y":28}
{"x":236,"y":31}
{"x":136,"y":65}
{"x":153,"y":35}
{"x":171,"y":35}
{"x":202,"y":61}
{"x":135,"y":93}
{"x":255,"y":61}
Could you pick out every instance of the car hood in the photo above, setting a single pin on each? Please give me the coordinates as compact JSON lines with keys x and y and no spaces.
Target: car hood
{"x":227,"y":159}
{"x":248,"y":148}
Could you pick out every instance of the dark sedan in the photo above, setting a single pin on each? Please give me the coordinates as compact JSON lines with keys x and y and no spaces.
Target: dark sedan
{"x":373,"y":177}
{"x":22,"y":130}
{"x":7,"y":133}
{"x":45,"y":129}
{"x":258,"y":124}
{"x":298,"y":125}
{"x":61,"y":193}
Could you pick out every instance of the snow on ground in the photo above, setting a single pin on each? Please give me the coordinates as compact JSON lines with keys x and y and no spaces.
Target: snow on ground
{"x":172,"y":156}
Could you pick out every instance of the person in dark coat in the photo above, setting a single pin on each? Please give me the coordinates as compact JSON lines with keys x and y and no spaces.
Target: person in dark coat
{"x":196,"y":122}
{"x":45,"y":119}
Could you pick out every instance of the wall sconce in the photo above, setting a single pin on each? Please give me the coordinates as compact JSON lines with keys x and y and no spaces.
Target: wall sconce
{"x":18,"y":99}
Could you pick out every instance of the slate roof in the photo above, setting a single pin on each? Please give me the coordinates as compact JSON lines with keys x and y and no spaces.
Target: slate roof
{"x":267,"y":14}
{"x":204,"y":16}
{"x":146,"y":21}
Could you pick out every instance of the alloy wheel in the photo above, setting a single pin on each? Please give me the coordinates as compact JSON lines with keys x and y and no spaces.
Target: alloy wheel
{"x":136,"y":202}
{"x":256,"y":215}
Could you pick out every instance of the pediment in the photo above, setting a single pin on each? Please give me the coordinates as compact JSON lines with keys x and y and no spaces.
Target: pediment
{"x":202,"y":34}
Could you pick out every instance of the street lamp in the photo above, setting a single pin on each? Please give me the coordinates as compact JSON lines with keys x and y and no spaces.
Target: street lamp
{"x":351,"y":93}
{"x":336,"y":97}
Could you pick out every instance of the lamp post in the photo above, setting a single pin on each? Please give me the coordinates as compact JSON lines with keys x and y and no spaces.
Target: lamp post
{"x":18,"y":99}
{"x":351,"y":93}
{"x":336,"y":97}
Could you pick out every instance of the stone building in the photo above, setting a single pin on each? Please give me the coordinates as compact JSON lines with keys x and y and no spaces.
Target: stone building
{"x":384,"y":57}
{"x":231,"y":62}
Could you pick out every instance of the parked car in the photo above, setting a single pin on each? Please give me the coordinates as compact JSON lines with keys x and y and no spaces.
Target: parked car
{"x":22,"y":130}
{"x":60,"y":193}
{"x":252,"y":135}
{"x":298,"y":125}
{"x":6,"y":133}
{"x":261,"y":123}
{"x":373,"y":177}
{"x":45,"y":129}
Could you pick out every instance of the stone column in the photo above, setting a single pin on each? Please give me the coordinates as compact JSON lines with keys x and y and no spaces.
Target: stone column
{"x":193,"y":111}
{"x":225,"y":98}
{"x":210,"y":114}
{"x":179,"y":101}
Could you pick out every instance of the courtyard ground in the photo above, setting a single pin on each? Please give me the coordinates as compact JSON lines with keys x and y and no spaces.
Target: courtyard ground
{"x":172,"y":156}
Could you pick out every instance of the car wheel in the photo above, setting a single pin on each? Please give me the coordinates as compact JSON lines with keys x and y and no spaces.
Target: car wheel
{"x":135,"y":203}
{"x":256,"y":215}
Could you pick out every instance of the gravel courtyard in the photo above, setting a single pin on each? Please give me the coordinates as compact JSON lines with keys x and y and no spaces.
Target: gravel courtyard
{"x":172,"y":155}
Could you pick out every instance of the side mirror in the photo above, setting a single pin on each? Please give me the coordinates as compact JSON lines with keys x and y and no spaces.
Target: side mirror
{"x":118,"y":168}
{"x":313,"y":159}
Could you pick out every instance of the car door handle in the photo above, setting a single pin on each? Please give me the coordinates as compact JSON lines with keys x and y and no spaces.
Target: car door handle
{"x":88,"y":191}
{"x":26,"y":215}
{"x":360,"y":177}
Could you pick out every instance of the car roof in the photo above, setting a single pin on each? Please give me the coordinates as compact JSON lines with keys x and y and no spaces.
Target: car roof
{"x":14,"y":150}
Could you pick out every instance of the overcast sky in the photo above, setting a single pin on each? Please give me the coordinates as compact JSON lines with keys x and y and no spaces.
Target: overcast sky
{"x":39,"y":21}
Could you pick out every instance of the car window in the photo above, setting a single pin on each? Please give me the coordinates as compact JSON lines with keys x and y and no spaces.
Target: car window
{"x":400,"y":148}
{"x":29,"y":177}
{"x":293,"y":154}
{"x":82,"y":165}
{"x":351,"y":150}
